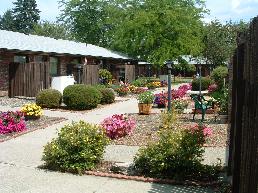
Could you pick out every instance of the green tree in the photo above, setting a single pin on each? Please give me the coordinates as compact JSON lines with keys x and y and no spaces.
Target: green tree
{"x":220,"y":41}
{"x":26,"y":15}
{"x":157,"y":30}
{"x":53,"y":30}
{"x":86,"y":19}
{"x":7,"y":21}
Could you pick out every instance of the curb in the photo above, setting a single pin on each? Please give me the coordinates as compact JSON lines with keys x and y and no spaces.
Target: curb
{"x":149,"y":180}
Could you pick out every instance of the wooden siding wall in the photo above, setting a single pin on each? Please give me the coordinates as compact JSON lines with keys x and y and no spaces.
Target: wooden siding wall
{"x":129,"y":73}
{"x":27,"y":79}
{"x":90,"y":74}
{"x":243,"y":150}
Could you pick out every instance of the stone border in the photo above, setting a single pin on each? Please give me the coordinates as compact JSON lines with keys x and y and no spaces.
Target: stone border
{"x":31,"y":130}
{"x":149,"y":180}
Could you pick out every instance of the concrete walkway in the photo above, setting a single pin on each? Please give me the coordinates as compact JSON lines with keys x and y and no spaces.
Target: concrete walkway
{"x":20,"y":157}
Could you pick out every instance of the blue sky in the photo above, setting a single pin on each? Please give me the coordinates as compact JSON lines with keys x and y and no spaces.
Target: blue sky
{"x":222,"y":10}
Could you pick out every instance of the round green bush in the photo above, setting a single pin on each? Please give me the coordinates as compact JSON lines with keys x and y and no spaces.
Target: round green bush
{"x":219,"y":74}
{"x":49,"y":98}
{"x":78,"y":147}
{"x":206,"y":82}
{"x":108,"y":96}
{"x":81,"y":97}
{"x":177,"y":155}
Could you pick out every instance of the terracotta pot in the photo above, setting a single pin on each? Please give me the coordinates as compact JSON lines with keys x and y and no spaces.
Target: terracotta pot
{"x":144,"y":109}
{"x":31,"y":117}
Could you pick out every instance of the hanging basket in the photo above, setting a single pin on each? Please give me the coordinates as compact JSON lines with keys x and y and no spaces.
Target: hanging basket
{"x":144,"y":109}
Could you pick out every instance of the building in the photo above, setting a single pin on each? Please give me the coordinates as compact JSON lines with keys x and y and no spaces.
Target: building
{"x":28,"y":62}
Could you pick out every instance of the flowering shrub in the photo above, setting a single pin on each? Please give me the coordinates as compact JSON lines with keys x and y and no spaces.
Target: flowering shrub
{"x":132,"y":88}
{"x":11,"y":122}
{"x":180,"y":105}
{"x":212,"y":88}
{"x":177,"y":155}
{"x":122,"y":90}
{"x":118,"y":126}
{"x":153,"y":84}
{"x":79,"y":146}
{"x":140,"y":90}
{"x":181,"y":91}
{"x":161,"y":98}
{"x":202,"y":129}
{"x":32,"y":110}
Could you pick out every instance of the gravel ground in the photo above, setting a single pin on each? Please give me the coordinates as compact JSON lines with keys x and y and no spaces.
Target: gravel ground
{"x":33,"y":125}
{"x":148,"y":125}
{"x":145,"y":131}
{"x":15,"y":102}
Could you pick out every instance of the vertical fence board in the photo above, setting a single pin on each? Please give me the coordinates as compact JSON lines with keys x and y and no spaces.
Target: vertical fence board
{"x":243,"y":155}
{"x":27,"y":79}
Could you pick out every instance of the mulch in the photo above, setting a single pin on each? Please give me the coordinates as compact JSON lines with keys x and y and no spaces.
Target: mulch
{"x":147,"y":127}
{"x":33,"y":125}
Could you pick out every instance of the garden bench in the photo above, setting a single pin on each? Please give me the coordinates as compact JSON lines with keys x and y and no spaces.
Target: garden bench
{"x":201,"y":104}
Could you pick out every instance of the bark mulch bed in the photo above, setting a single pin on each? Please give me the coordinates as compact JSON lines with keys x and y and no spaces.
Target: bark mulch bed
{"x":33,"y":125}
{"x":148,"y":125}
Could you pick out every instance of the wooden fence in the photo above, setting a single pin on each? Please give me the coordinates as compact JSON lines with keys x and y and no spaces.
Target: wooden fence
{"x":27,"y":79}
{"x":90,"y":74}
{"x":243,"y":150}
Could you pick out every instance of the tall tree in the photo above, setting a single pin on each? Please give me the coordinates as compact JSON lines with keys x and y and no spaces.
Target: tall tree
{"x":7,"y":21}
{"x":86,"y":19}
{"x":220,"y":41}
{"x":26,"y":15}
{"x":153,"y":30}
{"x":158,"y":30}
{"x":53,"y":30}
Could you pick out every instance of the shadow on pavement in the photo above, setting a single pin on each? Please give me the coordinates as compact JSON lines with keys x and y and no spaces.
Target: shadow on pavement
{"x":164,"y":188}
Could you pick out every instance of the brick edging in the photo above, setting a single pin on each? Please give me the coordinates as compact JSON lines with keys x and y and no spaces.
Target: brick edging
{"x":149,"y":180}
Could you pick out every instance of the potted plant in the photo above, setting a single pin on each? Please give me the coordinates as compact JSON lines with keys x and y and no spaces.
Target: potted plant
{"x":145,"y":102}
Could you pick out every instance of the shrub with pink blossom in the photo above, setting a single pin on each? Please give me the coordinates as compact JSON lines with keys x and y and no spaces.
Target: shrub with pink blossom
{"x":118,"y":126}
{"x":204,"y":130}
{"x":11,"y":122}
{"x":212,"y":88}
{"x":161,"y":98}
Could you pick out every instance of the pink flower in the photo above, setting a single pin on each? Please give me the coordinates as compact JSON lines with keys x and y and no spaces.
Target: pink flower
{"x":118,"y":126}
{"x":207,"y":131}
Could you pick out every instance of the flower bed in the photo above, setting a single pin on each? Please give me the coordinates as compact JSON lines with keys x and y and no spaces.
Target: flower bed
{"x":12,"y":122}
{"x":32,"y":125}
{"x":147,"y":128}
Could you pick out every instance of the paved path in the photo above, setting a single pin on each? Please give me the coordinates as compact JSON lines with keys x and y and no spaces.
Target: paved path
{"x":20,"y":157}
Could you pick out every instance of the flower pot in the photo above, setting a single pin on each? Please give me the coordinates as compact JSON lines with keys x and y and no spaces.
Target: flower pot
{"x":144,"y":109}
{"x":223,"y":119}
{"x":31,"y":117}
